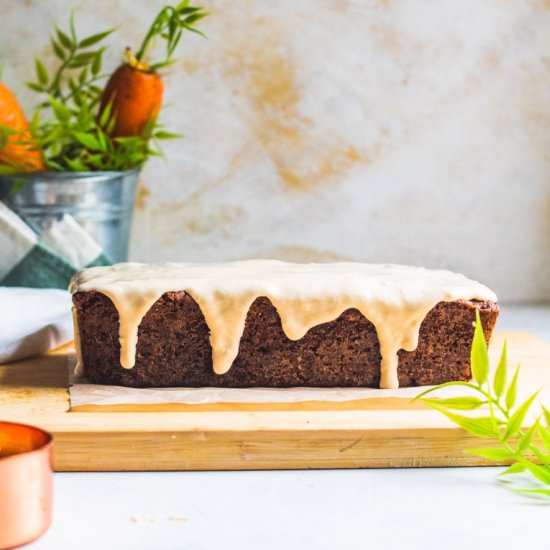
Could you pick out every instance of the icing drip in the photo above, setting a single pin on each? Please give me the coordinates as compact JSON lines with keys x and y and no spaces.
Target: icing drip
{"x":394,"y":298}
{"x":78,"y":367}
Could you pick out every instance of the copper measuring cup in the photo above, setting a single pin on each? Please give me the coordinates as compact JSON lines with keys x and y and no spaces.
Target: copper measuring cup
{"x":25,"y":483}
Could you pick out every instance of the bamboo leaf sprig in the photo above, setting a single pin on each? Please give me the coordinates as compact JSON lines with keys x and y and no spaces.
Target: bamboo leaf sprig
{"x":74,"y":79}
{"x":71,"y":136}
{"x":75,"y":126}
{"x":169,"y":25}
{"x":501,"y":420}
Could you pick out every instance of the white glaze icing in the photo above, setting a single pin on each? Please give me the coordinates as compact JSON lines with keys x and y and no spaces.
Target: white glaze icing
{"x":78,"y":366}
{"x":394,"y":298}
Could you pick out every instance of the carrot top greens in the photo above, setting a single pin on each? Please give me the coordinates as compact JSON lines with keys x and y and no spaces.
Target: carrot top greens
{"x":68,"y":126}
{"x":169,"y":25}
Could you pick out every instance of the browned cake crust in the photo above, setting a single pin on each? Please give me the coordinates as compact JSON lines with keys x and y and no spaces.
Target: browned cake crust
{"x":174,"y":349}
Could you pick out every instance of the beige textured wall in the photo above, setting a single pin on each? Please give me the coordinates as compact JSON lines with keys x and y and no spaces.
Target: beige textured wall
{"x":406,"y":131}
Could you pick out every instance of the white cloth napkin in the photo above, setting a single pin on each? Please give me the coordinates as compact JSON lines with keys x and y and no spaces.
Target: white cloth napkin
{"x":33,"y":321}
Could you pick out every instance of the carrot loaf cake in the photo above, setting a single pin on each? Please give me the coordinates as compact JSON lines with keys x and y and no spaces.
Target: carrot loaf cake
{"x":276,"y":324}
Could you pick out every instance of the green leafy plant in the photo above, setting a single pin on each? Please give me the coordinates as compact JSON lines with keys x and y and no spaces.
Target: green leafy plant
{"x":9,"y":166}
{"x":169,"y":25}
{"x":65,"y":124}
{"x":72,"y":126}
{"x":501,"y":420}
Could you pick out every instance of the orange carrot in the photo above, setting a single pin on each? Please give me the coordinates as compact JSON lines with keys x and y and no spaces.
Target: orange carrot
{"x":135,"y":94}
{"x":20,"y":150}
{"x":135,"y":89}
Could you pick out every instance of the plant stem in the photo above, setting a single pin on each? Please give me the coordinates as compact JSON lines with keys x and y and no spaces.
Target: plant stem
{"x":153,"y":31}
{"x":87,"y":83}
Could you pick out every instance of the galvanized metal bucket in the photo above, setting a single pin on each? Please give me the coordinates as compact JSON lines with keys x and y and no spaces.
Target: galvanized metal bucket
{"x":101,"y":202}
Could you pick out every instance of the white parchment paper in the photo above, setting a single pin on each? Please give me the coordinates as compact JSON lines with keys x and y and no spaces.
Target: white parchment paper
{"x":84,"y":393}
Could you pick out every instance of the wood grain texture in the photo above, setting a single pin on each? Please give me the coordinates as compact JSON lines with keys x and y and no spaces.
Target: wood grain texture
{"x":378,"y":434}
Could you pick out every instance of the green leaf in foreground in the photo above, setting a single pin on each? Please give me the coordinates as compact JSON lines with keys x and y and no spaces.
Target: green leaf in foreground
{"x":479,"y":356}
{"x":482,"y":426}
{"x":527,"y":437}
{"x":512,"y":391}
{"x":545,"y":492}
{"x":495,"y":454}
{"x":515,"y":468}
{"x":466,"y":403}
{"x":443,"y":386}
{"x":544,"y":433}
{"x":538,"y":471}
{"x":526,"y":448}
{"x":499,"y":380}
{"x":516,"y":420}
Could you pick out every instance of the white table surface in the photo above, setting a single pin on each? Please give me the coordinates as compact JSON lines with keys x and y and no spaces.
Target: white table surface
{"x":443,"y":508}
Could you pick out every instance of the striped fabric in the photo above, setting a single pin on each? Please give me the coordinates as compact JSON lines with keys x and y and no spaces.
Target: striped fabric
{"x":48,"y":260}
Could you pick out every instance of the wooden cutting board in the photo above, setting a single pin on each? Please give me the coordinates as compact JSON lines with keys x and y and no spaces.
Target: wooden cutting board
{"x":375,"y":433}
